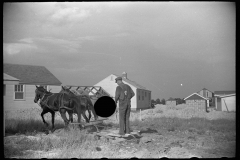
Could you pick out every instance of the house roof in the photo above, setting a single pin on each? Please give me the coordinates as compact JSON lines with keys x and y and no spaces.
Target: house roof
{"x":216,"y":93}
{"x":7,"y":79}
{"x":29,"y":74}
{"x":131,"y":82}
{"x":225,"y":95}
{"x":195,"y":96}
{"x":204,"y":89}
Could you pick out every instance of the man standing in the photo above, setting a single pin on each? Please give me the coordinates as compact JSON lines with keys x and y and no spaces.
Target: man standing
{"x":123,"y":93}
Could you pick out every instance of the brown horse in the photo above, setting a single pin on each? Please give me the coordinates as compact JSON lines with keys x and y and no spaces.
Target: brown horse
{"x":85,"y":101}
{"x":62,"y":102}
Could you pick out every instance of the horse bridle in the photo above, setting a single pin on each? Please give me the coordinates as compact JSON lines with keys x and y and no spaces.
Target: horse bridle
{"x":43,"y":102}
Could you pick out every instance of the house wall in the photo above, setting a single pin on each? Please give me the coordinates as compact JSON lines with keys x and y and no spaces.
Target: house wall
{"x":143,"y":98}
{"x":218,"y":103}
{"x":198,"y":104}
{"x":228,"y":104}
{"x":54,"y":89}
{"x":109,"y":85}
{"x":171,"y":103}
{"x":29,"y":95}
{"x":206,"y":93}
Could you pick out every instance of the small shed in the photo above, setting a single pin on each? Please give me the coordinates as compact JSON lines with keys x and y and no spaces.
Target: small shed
{"x":197,"y":101}
{"x":171,"y":102}
{"x":225,"y":101}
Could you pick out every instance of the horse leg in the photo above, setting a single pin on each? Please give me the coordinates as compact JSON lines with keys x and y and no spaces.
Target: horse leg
{"x":63,"y":115}
{"x":42,"y":115}
{"x":70,"y":113}
{"x":94,"y":113}
{"x":89,"y":114}
{"x":78,"y":110}
{"x":84,"y":115}
{"x":53,"y":117}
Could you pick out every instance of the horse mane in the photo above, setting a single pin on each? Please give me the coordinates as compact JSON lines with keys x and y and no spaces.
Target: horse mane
{"x":44,"y":90}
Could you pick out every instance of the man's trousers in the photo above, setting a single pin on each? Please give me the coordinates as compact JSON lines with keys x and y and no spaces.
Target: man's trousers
{"x":124,"y":115}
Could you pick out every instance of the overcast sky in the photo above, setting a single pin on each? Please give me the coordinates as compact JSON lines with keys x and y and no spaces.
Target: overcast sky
{"x":160,"y":45}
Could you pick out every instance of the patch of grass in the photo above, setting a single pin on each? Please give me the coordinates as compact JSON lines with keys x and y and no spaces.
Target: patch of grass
{"x":23,"y":126}
{"x":196,"y":125}
{"x":70,"y":140}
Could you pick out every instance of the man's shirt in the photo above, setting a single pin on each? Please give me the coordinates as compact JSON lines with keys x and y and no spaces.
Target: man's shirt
{"x":123,"y":93}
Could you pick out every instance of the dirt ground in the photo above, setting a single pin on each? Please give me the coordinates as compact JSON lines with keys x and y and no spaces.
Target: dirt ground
{"x":151,"y":143}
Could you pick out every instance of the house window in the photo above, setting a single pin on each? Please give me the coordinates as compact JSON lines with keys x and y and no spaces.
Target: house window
{"x":19,"y":92}
{"x":207,"y":94}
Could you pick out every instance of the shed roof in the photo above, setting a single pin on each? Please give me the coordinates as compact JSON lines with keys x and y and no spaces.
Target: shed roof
{"x":204,"y":89}
{"x":131,"y":82}
{"x":29,"y":74}
{"x":216,"y":93}
{"x":225,"y":95}
{"x":195,"y":96}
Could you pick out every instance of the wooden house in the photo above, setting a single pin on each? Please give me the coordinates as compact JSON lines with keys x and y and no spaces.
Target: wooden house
{"x":197,"y":101}
{"x":171,"y":102}
{"x":19,"y":84}
{"x":225,"y":101}
{"x":206,"y":93}
{"x":142,"y":98}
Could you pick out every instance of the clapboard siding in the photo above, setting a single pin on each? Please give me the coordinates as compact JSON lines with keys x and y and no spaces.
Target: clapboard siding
{"x":10,"y":103}
{"x":55,"y":89}
{"x":29,"y":94}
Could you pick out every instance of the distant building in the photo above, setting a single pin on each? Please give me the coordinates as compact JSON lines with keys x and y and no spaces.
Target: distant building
{"x":225,"y":100}
{"x":142,"y":98}
{"x":171,"y":102}
{"x":205,"y":93}
{"x":197,"y":101}
{"x":19,"y":84}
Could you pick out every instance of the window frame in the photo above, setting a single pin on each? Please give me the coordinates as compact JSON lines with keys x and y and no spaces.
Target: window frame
{"x":23,"y":91}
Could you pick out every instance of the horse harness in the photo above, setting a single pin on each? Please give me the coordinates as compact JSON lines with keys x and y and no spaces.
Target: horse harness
{"x":45,"y":102}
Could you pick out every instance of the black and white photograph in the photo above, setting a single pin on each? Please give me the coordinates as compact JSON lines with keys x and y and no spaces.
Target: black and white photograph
{"x":119,"y":79}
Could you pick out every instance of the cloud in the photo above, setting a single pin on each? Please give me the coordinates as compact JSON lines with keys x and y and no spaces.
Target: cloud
{"x":15,"y":48}
{"x":27,"y":40}
{"x":92,"y":38}
{"x":72,"y":14}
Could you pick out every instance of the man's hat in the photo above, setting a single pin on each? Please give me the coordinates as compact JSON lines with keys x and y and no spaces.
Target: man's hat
{"x":118,"y":78}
